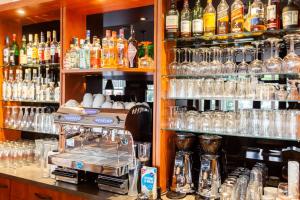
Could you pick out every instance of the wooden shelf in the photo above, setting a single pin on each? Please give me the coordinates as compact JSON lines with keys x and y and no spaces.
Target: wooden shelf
{"x":112,"y":70}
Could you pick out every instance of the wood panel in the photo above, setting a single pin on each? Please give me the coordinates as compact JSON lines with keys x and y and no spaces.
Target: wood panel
{"x":4,"y":189}
{"x":37,"y":193}
{"x":67,"y":196}
{"x":19,"y":191}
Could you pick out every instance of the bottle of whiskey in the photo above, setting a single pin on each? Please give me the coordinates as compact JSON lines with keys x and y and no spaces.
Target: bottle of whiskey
{"x":14,"y":52}
{"x":172,"y":21}
{"x":273,"y":17}
{"x":6,"y":52}
{"x":247,"y":18}
{"x":257,"y":16}
{"x":23,"y":52}
{"x":290,"y":16}
{"x":95,"y":53}
{"x":132,"y":49}
{"x":185,"y":20}
{"x":222,"y":17}
{"x":122,"y":49}
{"x":105,"y":49}
{"x":237,"y":16}
{"x":197,"y":23}
{"x":209,"y":19}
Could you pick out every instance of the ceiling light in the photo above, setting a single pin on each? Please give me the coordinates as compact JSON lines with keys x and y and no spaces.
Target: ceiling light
{"x":21,"y":12}
{"x":143,"y":18}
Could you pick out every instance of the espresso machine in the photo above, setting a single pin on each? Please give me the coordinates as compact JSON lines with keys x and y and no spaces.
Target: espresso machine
{"x":99,"y":144}
{"x":209,"y":176}
{"x":182,"y":183}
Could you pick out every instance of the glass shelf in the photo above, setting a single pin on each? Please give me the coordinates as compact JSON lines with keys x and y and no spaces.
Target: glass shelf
{"x":30,"y":131}
{"x":231,"y":99}
{"x":39,"y":65}
{"x":233,"y":134}
{"x":272,"y":74}
{"x":32,"y":101}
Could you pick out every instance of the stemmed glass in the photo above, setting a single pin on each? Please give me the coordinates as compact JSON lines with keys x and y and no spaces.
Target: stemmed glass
{"x":29,"y":124}
{"x":229,"y":66}
{"x":185,"y":64}
{"x":173,"y":66}
{"x":243,"y":66}
{"x":25,"y":119}
{"x":204,"y":63}
{"x":7,"y":117}
{"x":273,"y":64}
{"x":193,"y":64}
{"x":36,"y":119}
{"x":256,"y":66}
{"x":19,"y":118}
{"x":215,"y":64}
{"x":13,"y":118}
{"x":292,"y":60}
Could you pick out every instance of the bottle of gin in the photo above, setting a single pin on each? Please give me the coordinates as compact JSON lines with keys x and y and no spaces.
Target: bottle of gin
{"x":290,"y":16}
{"x":172,"y":21}
{"x":197,"y":23}
{"x":185,"y":20}
{"x":209,"y":19}
{"x":257,"y":16}
{"x":223,"y":17}
{"x":237,"y":16}
{"x":273,"y":17}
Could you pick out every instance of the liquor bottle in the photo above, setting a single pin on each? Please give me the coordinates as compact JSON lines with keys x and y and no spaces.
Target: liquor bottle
{"x":132,"y":49}
{"x":15,"y":85}
{"x":31,"y":84}
{"x":41,"y":49}
{"x":23,"y":52}
{"x":257,"y":16}
{"x":25,"y":89}
{"x":19,"y":84}
{"x":209,"y":19}
{"x":87,"y":50}
{"x":290,"y":16}
{"x":6,"y":52}
{"x":82,"y":61}
{"x":54,"y":50}
{"x":14,"y":52}
{"x":122,"y":49}
{"x":95,"y":53}
{"x":185,"y":20}
{"x":105,"y":49}
{"x":35,"y":51}
{"x":5,"y":84}
{"x":273,"y":16}
{"x":247,"y":18}
{"x":172,"y":21}
{"x":113,"y":49}
{"x":237,"y":16}
{"x":47,"y":51}
{"x":29,"y":49}
{"x":9,"y":84}
{"x":197,"y":23}
{"x":74,"y":53}
{"x":223,"y":17}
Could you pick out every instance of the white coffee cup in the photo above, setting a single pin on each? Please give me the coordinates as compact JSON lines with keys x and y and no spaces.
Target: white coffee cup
{"x":87,"y":101}
{"x":72,"y":103}
{"x":118,"y":105}
{"x":99,"y":100}
{"x":107,"y":104}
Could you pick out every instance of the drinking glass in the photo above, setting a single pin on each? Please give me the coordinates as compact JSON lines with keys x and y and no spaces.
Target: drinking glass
{"x":146,"y":61}
{"x":282,"y":191}
{"x":204,"y":64}
{"x":173,"y":66}
{"x":19,"y":118}
{"x":243,"y":66}
{"x":185,"y":65}
{"x":215,"y":65}
{"x":229,"y":66}
{"x":13,"y":117}
{"x":273,"y":64}
{"x":292,"y":60}
{"x":219,"y":87}
{"x":193,"y":66}
{"x":7,"y":117}
{"x":24,"y":121}
{"x":256,"y":66}
{"x":144,"y":151}
{"x":36,"y":124}
{"x":230,"y":88}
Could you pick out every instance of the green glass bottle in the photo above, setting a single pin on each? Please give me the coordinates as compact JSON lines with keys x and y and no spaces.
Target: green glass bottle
{"x":197,"y":23}
{"x":14,"y":52}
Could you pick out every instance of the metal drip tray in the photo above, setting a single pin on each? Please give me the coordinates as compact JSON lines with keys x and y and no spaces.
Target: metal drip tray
{"x":101,"y":161}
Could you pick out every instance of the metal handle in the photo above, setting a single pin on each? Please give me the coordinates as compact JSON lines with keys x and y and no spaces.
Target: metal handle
{"x":3,"y":186}
{"x":43,"y":197}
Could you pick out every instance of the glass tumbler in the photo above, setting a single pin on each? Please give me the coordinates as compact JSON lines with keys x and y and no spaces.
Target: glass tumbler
{"x":219,"y":87}
{"x":230,"y":88}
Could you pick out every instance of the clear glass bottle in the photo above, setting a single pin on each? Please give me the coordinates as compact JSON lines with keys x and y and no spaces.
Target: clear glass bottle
{"x":5,"y":85}
{"x":209,"y":19}
{"x":15,"y":85}
{"x":35,"y":46}
{"x":54,"y":55}
{"x":290,"y":16}
{"x":82,"y":61}
{"x":74,"y":54}
{"x":41,"y":49}
{"x":132,"y":49}
{"x":105,"y":49}
{"x":197,"y":23}
{"x":6,"y":52}
{"x":172,"y":21}
{"x":23,"y":52}
{"x":258,"y":16}
{"x":38,"y":89}
{"x":95,"y":53}
{"x":20,"y":85}
{"x":113,"y":48}
{"x":30,"y":86}
{"x":25,"y":89}
{"x":29,"y":49}
{"x":223,"y":18}
{"x":273,"y":15}
{"x":47,"y":51}
{"x":122,"y":45}
{"x":186,"y":20}
{"x":57,"y":92}
{"x":14,"y":52}
{"x":87,"y":50}
{"x":237,"y":16}
{"x":9,"y":88}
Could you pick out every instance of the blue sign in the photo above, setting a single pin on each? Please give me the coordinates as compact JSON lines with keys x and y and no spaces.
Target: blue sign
{"x":91,"y":111}
{"x":79,"y":165}
{"x":104,"y":120}
{"x":72,"y":118}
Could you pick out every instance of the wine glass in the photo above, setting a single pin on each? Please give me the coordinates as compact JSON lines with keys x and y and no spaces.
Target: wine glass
{"x":292,"y":60}
{"x":13,"y":118}
{"x":204,"y":62}
{"x":193,"y":64}
{"x":215,"y":64}
{"x":174,"y":65}
{"x":146,"y":61}
{"x":184,"y":66}
{"x":229,"y":66}
{"x":256,"y":66}
{"x":25,"y":119}
{"x":273,"y":64}
{"x":7,"y":117}
{"x":19,"y":118}
{"x":243,"y":66}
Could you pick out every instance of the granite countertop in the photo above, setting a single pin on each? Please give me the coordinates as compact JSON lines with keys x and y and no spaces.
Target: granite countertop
{"x":33,"y":175}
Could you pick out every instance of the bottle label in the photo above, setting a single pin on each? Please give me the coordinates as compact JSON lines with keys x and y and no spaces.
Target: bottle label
{"x":35,"y":53}
{"x":29,"y":53}
{"x":185,"y":26}
{"x":121,"y":51}
{"x":237,"y":20}
{"x":172,"y":23}
{"x":23,"y":57}
{"x":257,"y":16}
{"x":223,"y":19}
{"x":197,"y":25}
{"x":52,"y":50}
{"x":41,"y":54}
{"x":290,"y":18}
{"x":6,"y":55}
{"x":209,"y":20}
{"x":131,"y":54}
{"x":271,"y":12}
{"x":47,"y":54}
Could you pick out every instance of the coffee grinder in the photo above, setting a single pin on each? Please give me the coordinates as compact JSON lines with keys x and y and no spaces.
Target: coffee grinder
{"x":182,"y":183}
{"x":209,"y":177}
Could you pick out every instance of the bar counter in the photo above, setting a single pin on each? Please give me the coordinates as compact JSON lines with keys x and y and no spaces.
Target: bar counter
{"x":31,"y":175}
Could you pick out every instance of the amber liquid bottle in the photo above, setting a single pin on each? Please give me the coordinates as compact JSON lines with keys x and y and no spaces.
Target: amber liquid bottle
{"x":290,"y":16}
{"x":172,"y":21}
{"x":273,"y":15}
{"x":222,"y":17}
